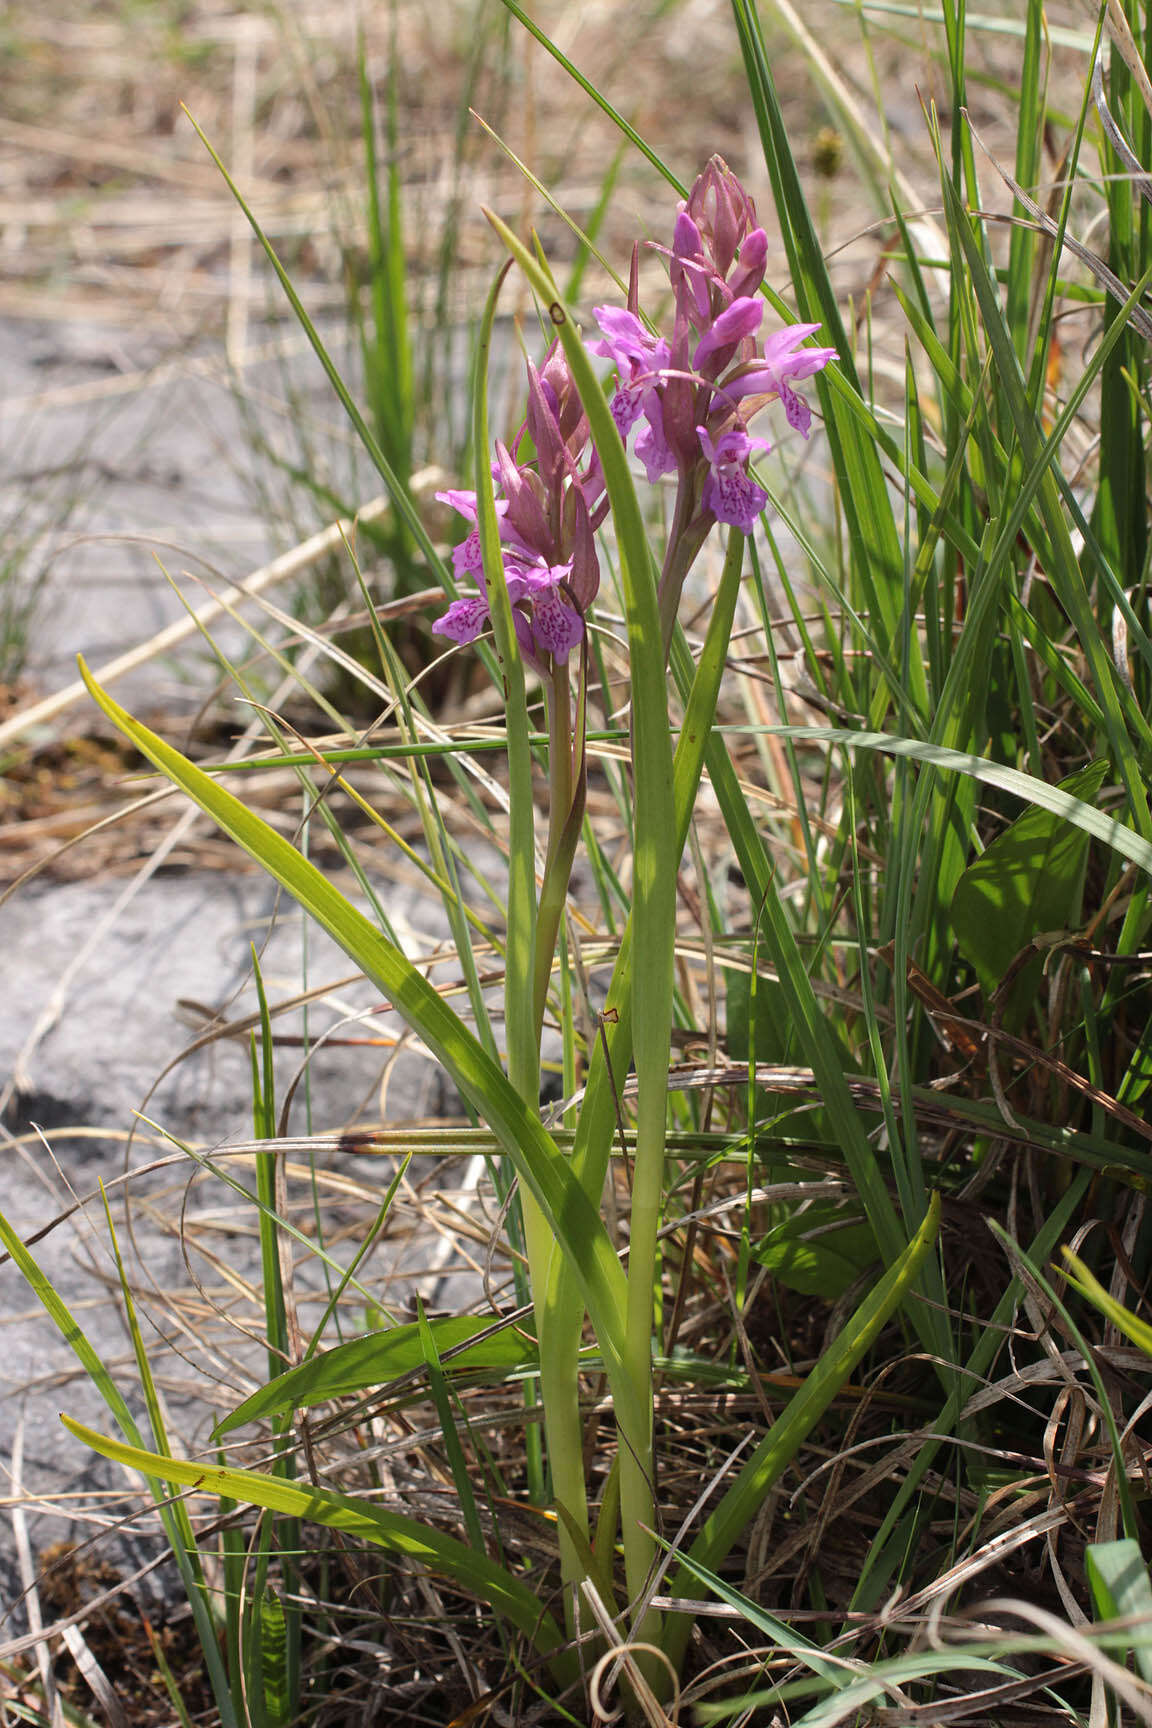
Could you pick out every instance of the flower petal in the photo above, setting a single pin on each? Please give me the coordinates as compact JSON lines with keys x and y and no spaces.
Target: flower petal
{"x":740,"y":319}
{"x":556,"y":626}
{"x":464,"y":619}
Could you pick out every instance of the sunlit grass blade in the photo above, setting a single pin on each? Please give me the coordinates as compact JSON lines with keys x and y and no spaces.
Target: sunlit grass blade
{"x":590,"y":90}
{"x":380,"y":1358}
{"x":875,"y":1572}
{"x":806,"y":1013}
{"x":403,"y":1537}
{"x":1131,"y":1325}
{"x":1116,"y":835}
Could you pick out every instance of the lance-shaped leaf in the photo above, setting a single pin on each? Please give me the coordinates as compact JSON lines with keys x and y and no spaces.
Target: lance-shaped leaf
{"x":362,"y":1364}
{"x":404,"y":1537}
{"x":537,"y":1160}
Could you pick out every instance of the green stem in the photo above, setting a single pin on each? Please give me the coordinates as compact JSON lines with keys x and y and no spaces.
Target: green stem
{"x":610,"y":1060}
{"x":685,"y":538}
{"x":559,"y":1371}
{"x":520,"y":963}
{"x":568,"y":785}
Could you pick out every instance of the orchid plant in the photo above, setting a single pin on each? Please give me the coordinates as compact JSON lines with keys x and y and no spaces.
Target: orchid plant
{"x":693,"y":392}
{"x":530,"y":558}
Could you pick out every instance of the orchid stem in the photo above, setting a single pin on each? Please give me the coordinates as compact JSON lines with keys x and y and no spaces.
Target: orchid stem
{"x":567,"y":789}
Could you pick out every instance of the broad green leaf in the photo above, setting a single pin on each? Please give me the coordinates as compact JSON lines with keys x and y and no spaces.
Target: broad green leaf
{"x":818,"y":1252}
{"x":1121,"y":1590}
{"x":397,"y":1535}
{"x":366,"y":1363}
{"x":1026,"y":882}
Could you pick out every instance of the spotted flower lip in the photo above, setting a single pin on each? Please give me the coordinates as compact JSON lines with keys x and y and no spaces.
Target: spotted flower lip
{"x":549,"y":622}
{"x":638,"y":357}
{"x":729,"y":490}
{"x":546,"y":511}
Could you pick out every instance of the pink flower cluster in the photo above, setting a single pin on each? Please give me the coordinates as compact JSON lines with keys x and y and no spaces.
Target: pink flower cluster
{"x":693,"y":392}
{"x":548,"y":513}
{"x":696,"y":390}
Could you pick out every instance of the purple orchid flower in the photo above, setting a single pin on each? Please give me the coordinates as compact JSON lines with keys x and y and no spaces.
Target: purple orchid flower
{"x":730,"y":493}
{"x":751,"y":264}
{"x":544,"y":618}
{"x":466,"y":558}
{"x":783,"y":360}
{"x":638,"y":358}
{"x":737,"y":321}
{"x":690,"y":270}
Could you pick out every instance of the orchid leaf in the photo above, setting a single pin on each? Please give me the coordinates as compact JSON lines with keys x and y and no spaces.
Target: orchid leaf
{"x":537,"y":1160}
{"x":1027,"y":881}
{"x":1121,"y":1590}
{"x":372,"y":1362}
{"x":403,"y":1537}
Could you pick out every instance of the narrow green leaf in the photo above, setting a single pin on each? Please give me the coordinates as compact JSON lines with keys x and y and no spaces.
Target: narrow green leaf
{"x":775,"y":1452}
{"x":396,"y":489}
{"x":1117,"y":835}
{"x":1063,"y":567}
{"x":173,"y":1516}
{"x":373,"y":1362}
{"x":1026,"y":1268}
{"x":818,"y":1252}
{"x":1093,"y":1291}
{"x":403,"y":1537}
{"x":272,"y":1651}
{"x":574,"y":1218}
{"x":442,"y":1398}
{"x":862,"y":488}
